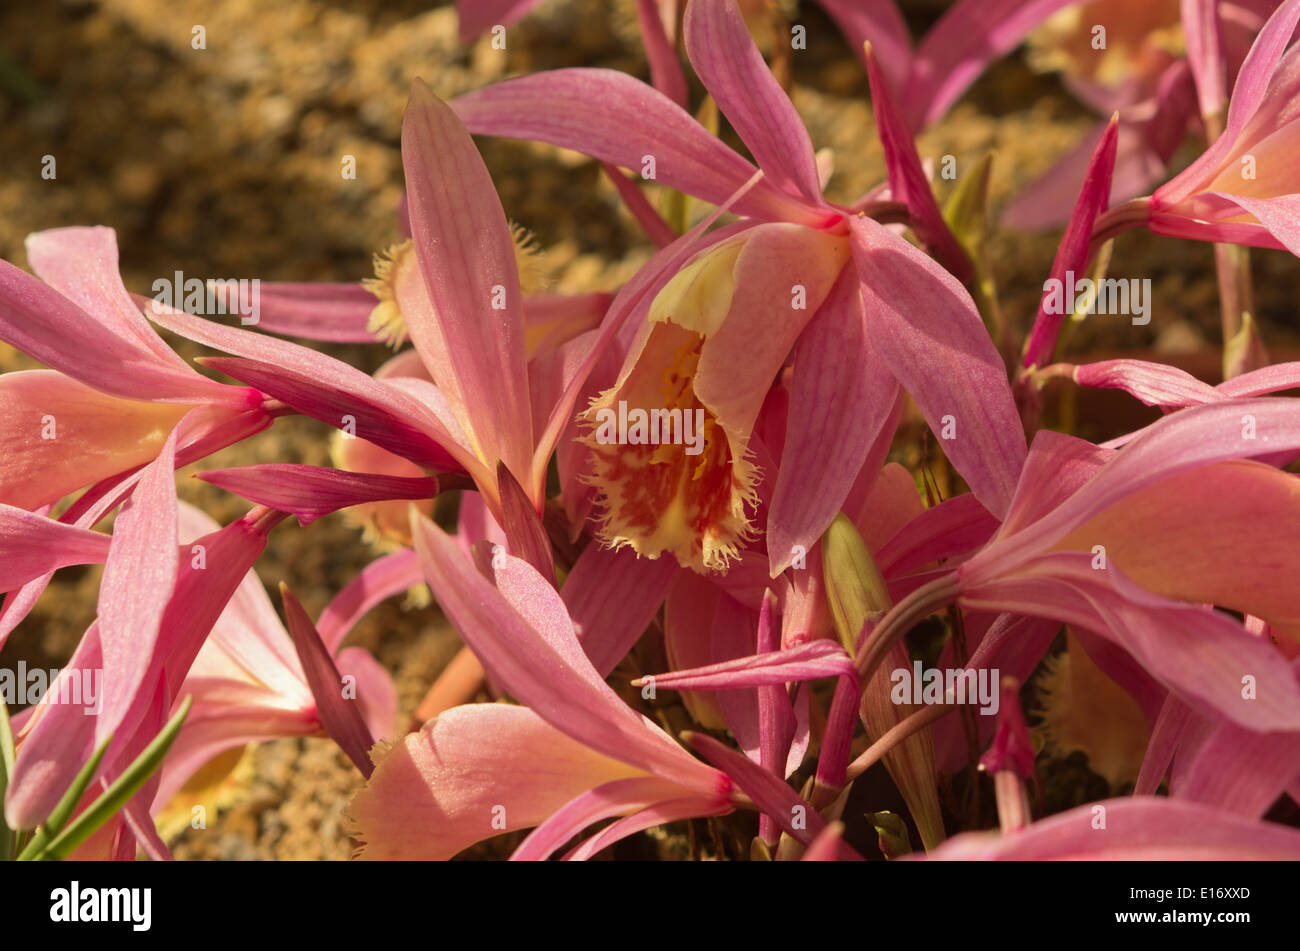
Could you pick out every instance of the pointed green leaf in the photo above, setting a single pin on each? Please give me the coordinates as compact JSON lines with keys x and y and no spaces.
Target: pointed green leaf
{"x":120,"y":792}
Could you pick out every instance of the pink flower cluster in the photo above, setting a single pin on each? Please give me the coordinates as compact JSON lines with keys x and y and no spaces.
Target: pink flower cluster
{"x":703,"y":609}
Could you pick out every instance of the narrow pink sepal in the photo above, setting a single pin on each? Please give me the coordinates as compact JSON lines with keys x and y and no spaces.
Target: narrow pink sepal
{"x":337,"y":313}
{"x":665,"y":69}
{"x":33,"y":545}
{"x":1072,"y":253}
{"x":929,"y":333}
{"x":810,"y":661}
{"x":1200,"y":20}
{"x":619,"y":119}
{"x":908,"y":182}
{"x":339,"y":716}
{"x":732,"y":69}
{"x":544,"y":668}
{"x":769,"y":792}
{"x":615,"y":798}
{"x":467,"y":256}
{"x":378,"y":581}
{"x":656,"y":229}
{"x":841,"y":400}
{"x":1155,"y":384}
{"x":139,"y":576}
{"x":381,"y":412}
{"x":1166,"y":733}
{"x":310,"y":492}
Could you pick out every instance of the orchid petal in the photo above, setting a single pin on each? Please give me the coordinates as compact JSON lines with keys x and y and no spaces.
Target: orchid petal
{"x":732,"y":69}
{"x":929,"y":333}
{"x":544,"y":669}
{"x":618,"y":119}
{"x":841,"y":402}
{"x":438,"y":791}
{"x":310,"y":492}
{"x":1138,"y":828}
{"x":1072,"y":254}
{"x":467,"y":257}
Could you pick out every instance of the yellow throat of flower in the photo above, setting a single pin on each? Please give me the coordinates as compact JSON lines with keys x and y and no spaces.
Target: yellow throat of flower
{"x":398,"y":265}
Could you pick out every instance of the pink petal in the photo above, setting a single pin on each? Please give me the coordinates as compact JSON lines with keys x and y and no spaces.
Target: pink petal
{"x":317,"y":311}
{"x":472,"y":773}
{"x":908,"y":181}
{"x":1137,"y":828}
{"x":969,"y":36}
{"x":33,"y":545}
{"x":733,"y":71}
{"x":618,"y":119}
{"x":930,"y":335}
{"x":665,"y":70}
{"x":612,"y":596}
{"x":879,"y":23}
{"x":841,"y":400}
{"x":328,"y":390}
{"x":310,"y":492}
{"x":545,"y":667}
{"x":467,"y":256}
{"x":810,"y":661}
{"x":378,"y":581}
{"x":1072,"y":254}
{"x":338,"y":714}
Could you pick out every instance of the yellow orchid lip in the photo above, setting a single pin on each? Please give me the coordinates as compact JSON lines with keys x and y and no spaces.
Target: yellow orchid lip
{"x":670,"y":440}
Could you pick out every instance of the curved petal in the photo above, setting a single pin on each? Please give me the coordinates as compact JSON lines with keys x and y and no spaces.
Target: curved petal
{"x":618,"y":119}
{"x":732,"y":69}
{"x":471,"y":773}
{"x":466,"y":254}
{"x":929,"y":333}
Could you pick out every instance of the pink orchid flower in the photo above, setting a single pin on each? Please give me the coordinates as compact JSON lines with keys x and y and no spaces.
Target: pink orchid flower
{"x":115,"y":391}
{"x":1242,"y":190}
{"x":1101,"y":541}
{"x":465,"y":402}
{"x":575,"y":754}
{"x":157,"y":602}
{"x":710,"y":329}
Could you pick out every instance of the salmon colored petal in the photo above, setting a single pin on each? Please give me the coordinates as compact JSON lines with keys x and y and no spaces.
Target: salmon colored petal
{"x":467,"y":257}
{"x":538,"y":660}
{"x":1238,"y":551}
{"x":732,"y":69}
{"x":472,"y":773}
{"x":929,"y":333}
{"x":61,"y":435}
{"x":841,"y":400}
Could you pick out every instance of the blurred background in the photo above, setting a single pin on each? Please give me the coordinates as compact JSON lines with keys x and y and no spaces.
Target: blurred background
{"x":225,"y":162}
